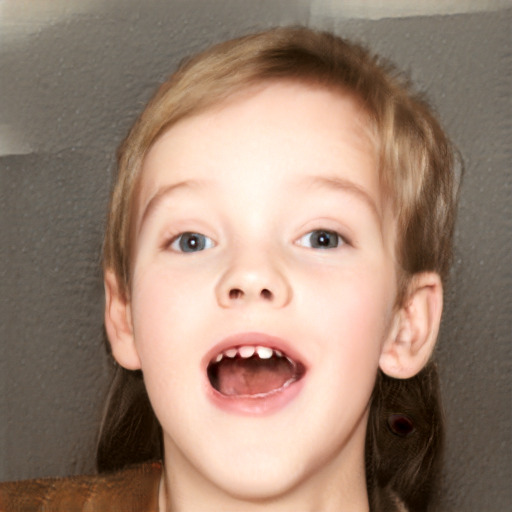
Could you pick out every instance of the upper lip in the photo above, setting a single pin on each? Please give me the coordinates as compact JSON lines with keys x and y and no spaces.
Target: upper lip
{"x":254,"y":339}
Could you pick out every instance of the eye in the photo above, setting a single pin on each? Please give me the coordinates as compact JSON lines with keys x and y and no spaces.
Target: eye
{"x":191,"y":242}
{"x":321,"y":239}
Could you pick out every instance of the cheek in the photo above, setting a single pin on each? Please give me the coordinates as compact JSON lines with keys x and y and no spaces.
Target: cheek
{"x":158,"y":305}
{"x":353,"y":312}
{"x":162,"y":320}
{"x":356,"y":300}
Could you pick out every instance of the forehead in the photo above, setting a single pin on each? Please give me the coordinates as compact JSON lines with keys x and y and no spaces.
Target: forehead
{"x":288,"y":122}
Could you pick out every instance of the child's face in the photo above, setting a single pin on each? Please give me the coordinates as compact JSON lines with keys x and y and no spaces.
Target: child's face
{"x":293,"y":250}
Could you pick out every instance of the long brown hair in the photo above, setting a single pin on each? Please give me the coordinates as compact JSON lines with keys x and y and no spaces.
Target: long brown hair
{"x":416,"y":175}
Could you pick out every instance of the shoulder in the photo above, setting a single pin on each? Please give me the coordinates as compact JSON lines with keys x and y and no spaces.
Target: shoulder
{"x":132,"y":489}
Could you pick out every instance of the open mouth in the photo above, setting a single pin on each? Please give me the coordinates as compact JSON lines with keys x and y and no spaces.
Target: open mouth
{"x":252,"y":371}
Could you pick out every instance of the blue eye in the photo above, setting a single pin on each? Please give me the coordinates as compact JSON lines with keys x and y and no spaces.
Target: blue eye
{"x":321,"y":239}
{"x":191,"y":242}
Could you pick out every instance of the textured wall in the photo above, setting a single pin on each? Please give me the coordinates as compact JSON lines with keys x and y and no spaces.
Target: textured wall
{"x":69,"y":92}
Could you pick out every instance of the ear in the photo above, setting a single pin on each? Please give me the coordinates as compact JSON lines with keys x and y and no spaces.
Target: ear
{"x":118,"y":324}
{"x":414,"y":335}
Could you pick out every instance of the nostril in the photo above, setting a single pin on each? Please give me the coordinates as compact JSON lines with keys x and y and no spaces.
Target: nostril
{"x":236,"y":293}
{"x":266,"y":294}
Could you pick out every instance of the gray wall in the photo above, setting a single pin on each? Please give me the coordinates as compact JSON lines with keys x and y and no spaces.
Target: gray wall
{"x":69,"y":91}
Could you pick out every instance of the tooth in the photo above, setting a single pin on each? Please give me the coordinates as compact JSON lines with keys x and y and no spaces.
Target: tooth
{"x":231,"y":352}
{"x":264,"y":352}
{"x":246,"y":352}
{"x":278,"y":353}
{"x":290,"y":361}
{"x":219,"y":358}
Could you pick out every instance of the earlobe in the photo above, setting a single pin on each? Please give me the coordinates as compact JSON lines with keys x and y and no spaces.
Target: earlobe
{"x":118,"y":324}
{"x":413,"y":338}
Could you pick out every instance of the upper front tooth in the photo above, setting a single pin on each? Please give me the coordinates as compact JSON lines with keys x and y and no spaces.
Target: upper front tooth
{"x":264,"y":352}
{"x":278,"y":353}
{"x":219,"y":357}
{"x":246,"y":352}
{"x":231,"y":352}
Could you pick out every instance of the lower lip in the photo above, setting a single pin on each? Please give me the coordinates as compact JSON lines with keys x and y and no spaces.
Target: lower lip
{"x":256,"y":405}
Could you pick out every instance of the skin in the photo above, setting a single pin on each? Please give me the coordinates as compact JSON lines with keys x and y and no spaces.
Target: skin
{"x":257,"y":176}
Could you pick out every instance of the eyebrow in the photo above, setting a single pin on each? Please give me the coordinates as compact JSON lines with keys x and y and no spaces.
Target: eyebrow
{"x":330,"y":182}
{"x":161,"y":194}
{"x":340,"y":184}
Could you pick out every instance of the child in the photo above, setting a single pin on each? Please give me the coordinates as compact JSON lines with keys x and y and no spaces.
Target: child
{"x":275,"y":252}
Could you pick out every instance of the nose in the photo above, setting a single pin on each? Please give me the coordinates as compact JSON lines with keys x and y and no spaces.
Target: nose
{"x":253,"y":282}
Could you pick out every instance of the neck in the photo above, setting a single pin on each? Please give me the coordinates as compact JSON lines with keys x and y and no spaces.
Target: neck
{"x":339,"y":486}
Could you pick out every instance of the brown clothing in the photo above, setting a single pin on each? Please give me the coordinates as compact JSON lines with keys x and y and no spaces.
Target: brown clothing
{"x":134,"y":489}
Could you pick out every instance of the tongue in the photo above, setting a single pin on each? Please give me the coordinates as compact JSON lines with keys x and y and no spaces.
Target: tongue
{"x":252,"y":376}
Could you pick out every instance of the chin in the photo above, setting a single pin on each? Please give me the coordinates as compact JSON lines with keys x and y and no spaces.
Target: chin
{"x":262,"y":481}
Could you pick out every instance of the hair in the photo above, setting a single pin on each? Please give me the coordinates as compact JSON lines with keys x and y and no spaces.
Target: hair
{"x":416,"y":176}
